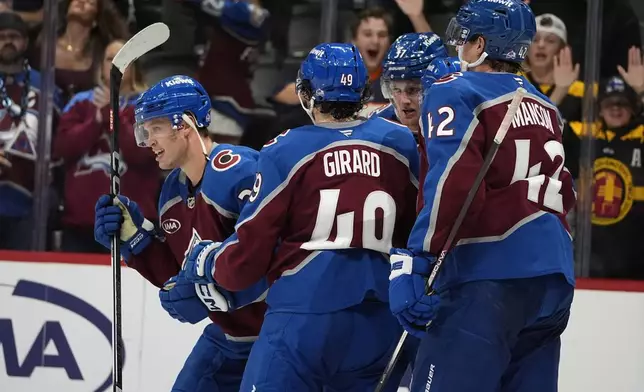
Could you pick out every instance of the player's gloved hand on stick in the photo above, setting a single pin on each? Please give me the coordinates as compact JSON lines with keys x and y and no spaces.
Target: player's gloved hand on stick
{"x":190,"y":302}
{"x":199,"y":263}
{"x":407,"y":299}
{"x":122,"y":216}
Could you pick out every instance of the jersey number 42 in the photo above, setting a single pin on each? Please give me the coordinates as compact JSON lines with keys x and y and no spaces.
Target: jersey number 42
{"x":552,"y":197}
{"x":371,"y":237}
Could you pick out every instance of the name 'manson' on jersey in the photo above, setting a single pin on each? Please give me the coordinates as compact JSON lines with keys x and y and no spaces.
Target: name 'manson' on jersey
{"x":516,"y":226}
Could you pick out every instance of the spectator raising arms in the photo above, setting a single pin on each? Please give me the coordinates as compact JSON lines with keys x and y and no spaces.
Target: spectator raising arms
{"x":83,"y":141}
{"x":19,"y":96}
{"x":86,"y":28}
{"x":371,"y":33}
{"x":551,"y":68}
{"x":618,"y":188}
{"x":633,"y":75}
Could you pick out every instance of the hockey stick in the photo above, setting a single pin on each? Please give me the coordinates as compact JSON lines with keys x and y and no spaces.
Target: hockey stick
{"x":498,"y":139}
{"x":143,"y":42}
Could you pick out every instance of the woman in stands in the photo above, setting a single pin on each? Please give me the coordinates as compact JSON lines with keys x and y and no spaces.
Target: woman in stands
{"x":83,"y":142}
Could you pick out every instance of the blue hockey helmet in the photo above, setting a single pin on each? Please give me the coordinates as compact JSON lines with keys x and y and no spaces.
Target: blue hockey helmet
{"x":410,"y":54}
{"x":438,"y":68}
{"x":333,"y":73}
{"x":172,"y":98}
{"x":406,"y":61}
{"x":508,"y":27}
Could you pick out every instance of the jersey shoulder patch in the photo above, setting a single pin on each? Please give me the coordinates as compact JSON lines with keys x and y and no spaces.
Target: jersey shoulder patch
{"x":224,"y":159}
{"x":230,"y":171}
{"x":226,"y":156}
{"x":454,"y":90}
{"x":277,"y":138}
{"x":448,"y":78}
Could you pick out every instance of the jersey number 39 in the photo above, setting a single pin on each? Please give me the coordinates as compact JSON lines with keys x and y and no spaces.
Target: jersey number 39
{"x":371,"y":239}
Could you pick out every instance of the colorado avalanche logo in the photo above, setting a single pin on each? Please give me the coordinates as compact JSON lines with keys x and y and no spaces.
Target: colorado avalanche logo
{"x":20,"y":138}
{"x":224,"y":160}
{"x":98,"y":161}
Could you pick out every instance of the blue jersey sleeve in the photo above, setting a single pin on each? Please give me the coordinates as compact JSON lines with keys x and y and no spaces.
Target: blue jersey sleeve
{"x":245,"y":257}
{"x":229,"y":178}
{"x":387,"y":112}
{"x":454,"y":150}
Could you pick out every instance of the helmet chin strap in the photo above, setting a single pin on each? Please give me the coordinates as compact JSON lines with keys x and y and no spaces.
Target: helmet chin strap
{"x":308,"y":110}
{"x":465,"y":65}
{"x":192,"y":125}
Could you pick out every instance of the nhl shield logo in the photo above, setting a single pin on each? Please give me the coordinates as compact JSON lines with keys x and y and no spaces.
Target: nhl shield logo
{"x":191,"y":202}
{"x":171,"y":226}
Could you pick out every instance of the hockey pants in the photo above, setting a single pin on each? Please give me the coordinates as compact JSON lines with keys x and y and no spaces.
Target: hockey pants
{"x":495,"y":336}
{"x":210,"y":367}
{"x":334,"y":352}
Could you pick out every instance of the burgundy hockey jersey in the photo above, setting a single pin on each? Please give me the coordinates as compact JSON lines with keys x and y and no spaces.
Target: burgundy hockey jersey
{"x":188,"y":215}
{"x":18,"y":140}
{"x":84,"y":145}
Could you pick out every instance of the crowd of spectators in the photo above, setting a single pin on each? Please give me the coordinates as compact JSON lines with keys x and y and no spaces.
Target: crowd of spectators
{"x":237,"y":39}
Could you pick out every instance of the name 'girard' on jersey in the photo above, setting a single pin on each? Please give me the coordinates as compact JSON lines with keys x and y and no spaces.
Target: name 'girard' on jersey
{"x":525,"y":195}
{"x":342,"y":161}
{"x":336,"y":197}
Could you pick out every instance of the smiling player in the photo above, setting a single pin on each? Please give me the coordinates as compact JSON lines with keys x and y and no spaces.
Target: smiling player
{"x":200,"y":200}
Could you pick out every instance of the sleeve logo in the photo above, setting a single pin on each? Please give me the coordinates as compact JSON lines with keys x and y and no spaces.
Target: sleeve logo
{"x":224,"y":160}
{"x":276,"y":138}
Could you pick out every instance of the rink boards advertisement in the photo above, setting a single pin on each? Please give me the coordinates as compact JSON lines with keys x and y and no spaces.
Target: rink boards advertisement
{"x":56,"y":331}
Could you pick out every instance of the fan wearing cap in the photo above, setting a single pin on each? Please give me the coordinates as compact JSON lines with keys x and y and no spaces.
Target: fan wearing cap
{"x":551,"y":69}
{"x":19,"y":96}
{"x":618,"y":191}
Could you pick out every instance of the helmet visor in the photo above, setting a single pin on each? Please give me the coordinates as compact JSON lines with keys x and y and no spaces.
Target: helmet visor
{"x":456,"y":35}
{"x":396,"y":89}
{"x":153,"y":128}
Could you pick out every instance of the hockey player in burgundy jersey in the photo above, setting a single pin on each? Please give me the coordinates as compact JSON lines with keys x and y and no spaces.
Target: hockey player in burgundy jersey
{"x":200,"y":199}
{"x":407,"y":59}
{"x":503,"y":295}
{"x":413,"y":62}
{"x":437,"y":68}
{"x":328,"y":201}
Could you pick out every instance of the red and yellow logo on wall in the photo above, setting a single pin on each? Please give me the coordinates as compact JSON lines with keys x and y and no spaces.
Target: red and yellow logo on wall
{"x":612,"y":191}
